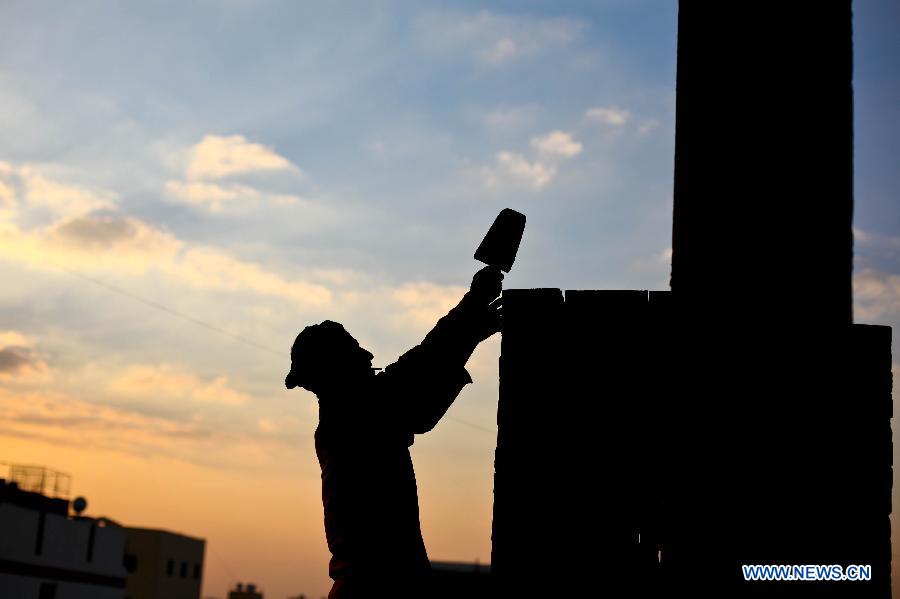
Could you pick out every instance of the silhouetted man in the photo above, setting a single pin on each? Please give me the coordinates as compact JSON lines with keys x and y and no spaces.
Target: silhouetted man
{"x":366,"y":426}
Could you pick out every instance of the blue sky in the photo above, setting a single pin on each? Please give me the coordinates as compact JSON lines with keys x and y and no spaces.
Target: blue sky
{"x":262,"y":165}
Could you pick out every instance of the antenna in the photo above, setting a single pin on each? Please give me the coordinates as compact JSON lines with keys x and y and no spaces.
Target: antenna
{"x":79,"y":505}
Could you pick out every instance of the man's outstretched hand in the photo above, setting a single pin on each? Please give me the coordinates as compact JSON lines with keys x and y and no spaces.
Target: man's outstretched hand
{"x":484,"y":294}
{"x":487,"y":284}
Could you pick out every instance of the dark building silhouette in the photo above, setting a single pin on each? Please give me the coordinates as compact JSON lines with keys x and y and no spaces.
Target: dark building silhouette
{"x":168,"y":565}
{"x":46,"y":553}
{"x":49,"y":550}
{"x":652,"y":442}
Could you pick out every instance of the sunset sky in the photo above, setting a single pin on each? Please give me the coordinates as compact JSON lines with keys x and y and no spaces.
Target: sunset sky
{"x":185,"y":185}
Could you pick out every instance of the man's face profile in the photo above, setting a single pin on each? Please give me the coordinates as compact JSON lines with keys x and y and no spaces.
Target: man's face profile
{"x":326,"y":357}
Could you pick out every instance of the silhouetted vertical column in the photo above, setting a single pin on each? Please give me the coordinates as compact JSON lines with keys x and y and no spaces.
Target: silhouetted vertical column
{"x":575,"y":497}
{"x":663,"y":407}
{"x":865,"y":456}
{"x":779,"y":448}
{"x":529,"y":552}
{"x":609,"y":467}
{"x":764,"y":159}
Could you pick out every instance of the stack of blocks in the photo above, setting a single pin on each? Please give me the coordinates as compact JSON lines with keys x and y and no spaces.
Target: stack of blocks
{"x":651,"y":443}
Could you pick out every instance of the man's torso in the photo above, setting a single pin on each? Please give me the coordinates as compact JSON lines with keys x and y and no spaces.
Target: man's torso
{"x":369,"y":493}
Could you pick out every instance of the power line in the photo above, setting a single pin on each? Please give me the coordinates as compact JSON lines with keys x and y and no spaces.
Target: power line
{"x":173,"y":312}
{"x":222,"y":564}
{"x":471,"y":424}
{"x":215,"y":328}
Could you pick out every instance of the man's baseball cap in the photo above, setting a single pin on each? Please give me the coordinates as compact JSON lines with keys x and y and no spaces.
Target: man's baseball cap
{"x":310,"y":347}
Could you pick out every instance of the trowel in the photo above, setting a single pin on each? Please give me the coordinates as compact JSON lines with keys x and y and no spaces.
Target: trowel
{"x":500,"y":245}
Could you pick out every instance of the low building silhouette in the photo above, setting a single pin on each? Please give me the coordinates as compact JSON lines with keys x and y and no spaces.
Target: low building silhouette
{"x":168,"y":565}
{"x":245,"y":591}
{"x":46,"y":553}
{"x":48,"y":550}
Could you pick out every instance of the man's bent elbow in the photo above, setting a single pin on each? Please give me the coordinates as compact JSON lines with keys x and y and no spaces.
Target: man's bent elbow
{"x":420,"y":427}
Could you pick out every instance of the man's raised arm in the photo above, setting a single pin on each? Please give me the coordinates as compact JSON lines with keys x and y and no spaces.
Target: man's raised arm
{"x":424,"y":381}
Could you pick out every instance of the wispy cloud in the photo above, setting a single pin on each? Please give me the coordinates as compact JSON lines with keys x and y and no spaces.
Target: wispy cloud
{"x":232,"y":197}
{"x":217,"y":156}
{"x":99,"y":242}
{"x":515,"y":170}
{"x":494,"y":39}
{"x":174,"y":383}
{"x":509,"y":118}
{"x":424,"y":303}
{"x":130,"y":246}
{"x":556,"y":144}
{"x":27,"y":189}
{"x":90,"y":237}
{"x":210,"y":268}
{"x":63,"y":200}
{"x":876,"y":296}
{"x":876,"y":290}
{"x":213,"y":165}
{"x":647,"y":126}
{"x":267,"y":426}
{"x":880,"y":244}
{"x":608,"y":115}
{"x":8,"y":200}
{"x":68,"y":421}
{"x":19,"y":361}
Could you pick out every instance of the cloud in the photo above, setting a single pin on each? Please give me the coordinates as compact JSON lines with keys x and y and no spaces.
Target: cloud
{"x":612,"y":116}
{"x":861,"y":236}
{"x":11,"y":361}
{"x":651,"y":271}
{"x":509,"y":117}
{"x":224,"y":198}
{"x":556,"y":144}
{"x":512,"y":169}
{"x":647,"y":127}
{"x":8,"y":202}
{"x":876,"y":296}
{"x":63,"y":199}
{"x":500,"y":51}
{"x":876,"y":293}
{"x":111,"y":242}
{"x":213,"y":197}
{"x":91,"y":242}
{"x":517,"y":168}
{"x":174,"y":383}
{"x":13,"y":338}
{"x":267,"y":427}
{"x":662,"y":259}
{"x":215,"y":157}
{"x":99,"y":233}
{"x":209,"y":268}
{"x":19,"y":361}
{"x":7,"y":196}
{"x":495,"y":40}
{"x":52,"y":409}
{"x":885,"y":246}
{"x":423,"y":303}
{"x":65,"y":420}
{"x":30,"y":187}
{"x":127,"y":245}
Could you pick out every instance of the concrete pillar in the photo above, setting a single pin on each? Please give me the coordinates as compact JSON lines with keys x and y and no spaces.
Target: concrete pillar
{"x":764,"y":159}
